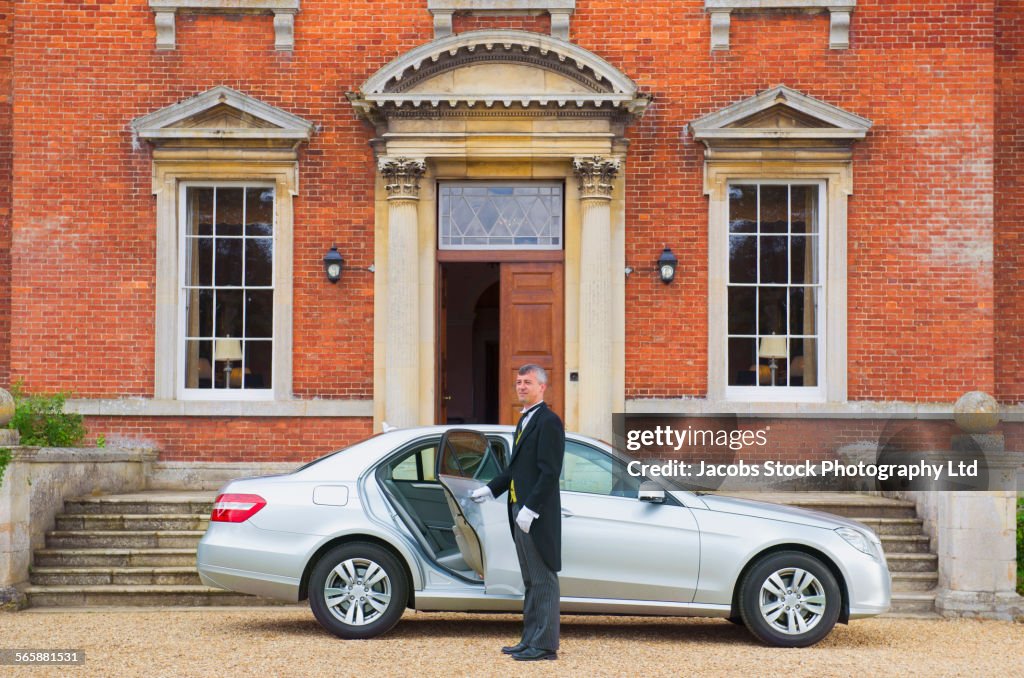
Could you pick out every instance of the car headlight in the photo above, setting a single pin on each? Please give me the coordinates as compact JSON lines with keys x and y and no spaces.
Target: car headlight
{"x":858,"y":540}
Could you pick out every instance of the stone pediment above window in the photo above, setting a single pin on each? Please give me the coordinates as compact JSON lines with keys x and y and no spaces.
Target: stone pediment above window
{"x":223,"y":118}
{"x":284,"y":12}
{"x":498,"y":73}
{"x":839,"y":13}
{"x":782,"y":119}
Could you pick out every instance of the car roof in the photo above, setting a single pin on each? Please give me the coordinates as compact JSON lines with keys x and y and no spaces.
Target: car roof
{"x":369,"y":451}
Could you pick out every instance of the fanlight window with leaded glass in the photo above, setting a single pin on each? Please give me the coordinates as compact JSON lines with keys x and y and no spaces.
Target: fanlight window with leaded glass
{"x":500,"y":216}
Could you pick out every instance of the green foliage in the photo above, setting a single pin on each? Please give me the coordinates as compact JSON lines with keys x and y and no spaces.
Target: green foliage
{"x":1020,"y":546}
{"x":41,"y":420}
{"x":5,"y":458}
{"x":101,"y":440}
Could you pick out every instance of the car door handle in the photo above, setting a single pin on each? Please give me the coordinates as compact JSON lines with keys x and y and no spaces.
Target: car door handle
{"x":566,"y":513}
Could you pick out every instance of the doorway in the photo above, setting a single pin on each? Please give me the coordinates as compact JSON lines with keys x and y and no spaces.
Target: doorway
{"x":469,"y":333}
{"x":493,"y":317}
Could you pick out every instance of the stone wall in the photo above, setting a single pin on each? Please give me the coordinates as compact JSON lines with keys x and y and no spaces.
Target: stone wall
{"x":37,"y":482}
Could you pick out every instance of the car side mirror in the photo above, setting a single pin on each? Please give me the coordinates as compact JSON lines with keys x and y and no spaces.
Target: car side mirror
{"x":651,"y":492}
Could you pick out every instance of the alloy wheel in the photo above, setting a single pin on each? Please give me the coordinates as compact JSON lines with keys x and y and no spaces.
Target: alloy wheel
{"x":358,"y":591}
{"x":792,"y":601}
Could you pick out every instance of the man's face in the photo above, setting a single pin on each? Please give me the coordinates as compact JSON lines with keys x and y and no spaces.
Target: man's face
{"x":529,"y":389}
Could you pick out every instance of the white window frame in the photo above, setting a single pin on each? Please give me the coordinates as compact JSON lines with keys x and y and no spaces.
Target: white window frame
{"x":169,"y":180}
{"x":832,"y":318}
{"x":241,"y":393}
{"x":785,"y":393}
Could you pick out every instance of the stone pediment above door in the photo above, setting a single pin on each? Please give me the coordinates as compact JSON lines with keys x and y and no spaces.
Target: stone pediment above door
{"x":501,"y":75}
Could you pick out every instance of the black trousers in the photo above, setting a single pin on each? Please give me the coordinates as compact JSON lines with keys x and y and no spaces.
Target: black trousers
{"x":540,"y":609}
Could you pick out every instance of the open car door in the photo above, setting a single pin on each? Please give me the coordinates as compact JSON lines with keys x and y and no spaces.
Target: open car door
{"x":465,"y":461}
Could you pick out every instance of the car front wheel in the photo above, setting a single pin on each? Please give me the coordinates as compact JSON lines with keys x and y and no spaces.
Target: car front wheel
{"x":790,"y":599}
{"x":358,"y":590}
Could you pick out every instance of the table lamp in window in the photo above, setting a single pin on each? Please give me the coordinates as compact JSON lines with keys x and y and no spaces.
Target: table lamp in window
{"x":227,"y":351}
{"x":773,"y":348}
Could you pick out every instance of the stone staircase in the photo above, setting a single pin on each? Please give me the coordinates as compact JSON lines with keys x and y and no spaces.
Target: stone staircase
{"x":127,"y":550}
{"x":140,"y":550}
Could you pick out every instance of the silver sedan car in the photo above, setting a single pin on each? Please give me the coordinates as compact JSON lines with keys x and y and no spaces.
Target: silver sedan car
{"x":387,"y":524}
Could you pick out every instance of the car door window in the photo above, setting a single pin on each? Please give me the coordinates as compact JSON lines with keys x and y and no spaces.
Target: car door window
{"x":418,"y":465}
{"x":470,"y":455}
{"x":585,"y":469}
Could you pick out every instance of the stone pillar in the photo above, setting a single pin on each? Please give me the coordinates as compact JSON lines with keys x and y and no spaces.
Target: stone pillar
{"x":976,"y":534}
{"x":596,"y":176}
{"x":402,"y":371}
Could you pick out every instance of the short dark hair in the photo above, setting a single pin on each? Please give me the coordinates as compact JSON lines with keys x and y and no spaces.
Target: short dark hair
{"x":542,"y":375}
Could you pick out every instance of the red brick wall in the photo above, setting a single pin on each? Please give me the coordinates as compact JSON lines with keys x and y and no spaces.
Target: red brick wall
{"x":1009,"y":201}
{"x":920,"y":285}
{"x":233,"y":439}
{"x":6,"y":44}
{"x":920,"y":217}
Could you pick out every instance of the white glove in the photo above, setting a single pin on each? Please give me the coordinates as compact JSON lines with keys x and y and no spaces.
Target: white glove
{"x":481,"y":494}
{"x":525,"y":518}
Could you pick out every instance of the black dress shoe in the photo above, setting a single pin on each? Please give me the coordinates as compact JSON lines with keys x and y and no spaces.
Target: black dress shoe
{"x":512,"y":649}
{"x":532,"y":654}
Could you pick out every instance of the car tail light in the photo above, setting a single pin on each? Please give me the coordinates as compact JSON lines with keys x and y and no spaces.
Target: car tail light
{"x":236,"y":508}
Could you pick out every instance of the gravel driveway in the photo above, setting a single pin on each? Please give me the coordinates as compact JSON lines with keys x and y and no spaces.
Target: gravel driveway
{"x":289,"y":642}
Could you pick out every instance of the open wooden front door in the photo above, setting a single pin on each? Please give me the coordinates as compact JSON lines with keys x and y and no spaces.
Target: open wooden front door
{"x":532,"y":331}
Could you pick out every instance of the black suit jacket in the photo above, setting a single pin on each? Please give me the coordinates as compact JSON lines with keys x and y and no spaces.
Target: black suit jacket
{"x":536,"y":466}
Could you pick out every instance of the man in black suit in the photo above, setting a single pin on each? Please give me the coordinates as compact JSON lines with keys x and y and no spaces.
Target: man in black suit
{"x":534,"y":513}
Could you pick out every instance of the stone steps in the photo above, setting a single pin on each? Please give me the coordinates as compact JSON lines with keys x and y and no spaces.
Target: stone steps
{"x":894,"y":526}
{"x":912,"y":603}
{"x":903,"y":582}
{"x":115,"y":558}
{"x":904,"y":510}
{"x":144,"y":502}
{"x":97,"y":576}
{"x":134,"y":522}
{"x":137,"y":596}
{"x":912,"y":562}
{"x":904,"y":543}
{"x":124,"y":539}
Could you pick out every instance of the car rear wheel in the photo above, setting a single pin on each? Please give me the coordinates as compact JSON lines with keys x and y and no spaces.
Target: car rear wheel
{"x":790,"y":599}
{"x":358,"y":590}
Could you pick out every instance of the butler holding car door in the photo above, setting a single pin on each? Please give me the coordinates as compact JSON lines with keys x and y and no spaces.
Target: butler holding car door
{"x":535,"y":513}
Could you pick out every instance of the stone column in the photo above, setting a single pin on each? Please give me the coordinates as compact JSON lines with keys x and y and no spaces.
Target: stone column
{"x":402,"y":371}
{"x":596,"y":176}
{"x":977,"y":532}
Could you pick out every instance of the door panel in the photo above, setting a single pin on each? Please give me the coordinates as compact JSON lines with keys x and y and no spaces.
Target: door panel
{"x":532,"y":331}
{"x":613,"y":544}
{"x":620,"y":547}
{"x":465,"y":461}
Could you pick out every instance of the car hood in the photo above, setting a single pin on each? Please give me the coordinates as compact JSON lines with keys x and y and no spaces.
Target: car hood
{"x":789,"y":514}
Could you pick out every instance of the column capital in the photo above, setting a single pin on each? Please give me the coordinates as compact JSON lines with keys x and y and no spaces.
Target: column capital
{"x":402,"y":177}
{"x":596,"y":175}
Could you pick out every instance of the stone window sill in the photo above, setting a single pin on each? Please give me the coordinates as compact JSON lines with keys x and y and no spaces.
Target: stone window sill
{"x":284,"y":12}
{"x":839,"y":10}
